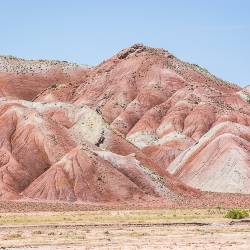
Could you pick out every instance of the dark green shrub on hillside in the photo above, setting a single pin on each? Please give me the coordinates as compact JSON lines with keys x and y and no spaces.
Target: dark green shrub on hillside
{"x":53,"y":86}
{"x":236,"y":213}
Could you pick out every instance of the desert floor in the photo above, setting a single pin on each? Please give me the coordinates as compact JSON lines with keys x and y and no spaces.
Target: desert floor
{"x":124,"y":229}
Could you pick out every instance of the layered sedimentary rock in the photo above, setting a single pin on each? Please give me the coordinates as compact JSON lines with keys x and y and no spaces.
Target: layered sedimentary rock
{"x":142,"y":125}
{"x":165,"y":106}
{"x":60,"y":151}
{"x":219,"y":161}
{"x":24,"y":79}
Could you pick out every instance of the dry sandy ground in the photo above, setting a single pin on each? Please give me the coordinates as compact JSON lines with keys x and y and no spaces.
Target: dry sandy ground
{"x":124,"y":229}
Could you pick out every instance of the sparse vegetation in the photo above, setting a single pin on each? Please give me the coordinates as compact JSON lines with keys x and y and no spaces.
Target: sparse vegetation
{"x":51,"y":229}
{"x":236,"y":213}
{"x":137,"y":234}
{"x":54,"y":85}
{"x":133,"y":216}
{"x":37,"y":232}
{"x":13,"y":236}
{"x":51,"y":233}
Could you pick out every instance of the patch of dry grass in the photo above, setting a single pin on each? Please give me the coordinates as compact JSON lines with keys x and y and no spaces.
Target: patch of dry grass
{"x":13,"y":236}
{"x":125,"y":216}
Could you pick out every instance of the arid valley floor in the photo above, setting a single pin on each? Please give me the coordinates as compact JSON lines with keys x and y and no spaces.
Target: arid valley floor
{"x":124,"y":229}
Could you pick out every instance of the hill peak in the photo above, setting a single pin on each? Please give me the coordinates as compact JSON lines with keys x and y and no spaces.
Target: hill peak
{"x":138,"y":48}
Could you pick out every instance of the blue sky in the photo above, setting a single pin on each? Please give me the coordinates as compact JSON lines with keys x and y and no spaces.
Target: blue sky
{"x":212,"y":33}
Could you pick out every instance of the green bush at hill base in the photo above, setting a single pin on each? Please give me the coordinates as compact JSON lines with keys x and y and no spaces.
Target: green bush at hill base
{"x":236,"y":213}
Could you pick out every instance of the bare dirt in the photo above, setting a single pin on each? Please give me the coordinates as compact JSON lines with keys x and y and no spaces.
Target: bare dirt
{"x":124,"y":229}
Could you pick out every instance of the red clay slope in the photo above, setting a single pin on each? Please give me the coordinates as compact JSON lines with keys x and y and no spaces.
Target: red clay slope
{"x":165,"y":107}
{"x":24,"y":79}
{"x":60,"y":151}
{"x":138,"y":127}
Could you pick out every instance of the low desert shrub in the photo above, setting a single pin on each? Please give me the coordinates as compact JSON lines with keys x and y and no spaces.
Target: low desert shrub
{"x":13,"y":236}
{"x":236,"y":213}
{"x":53,"y":86}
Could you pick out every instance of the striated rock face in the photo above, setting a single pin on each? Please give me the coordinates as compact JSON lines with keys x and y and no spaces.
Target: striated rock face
{"x":165,"y":107}
{"x":218,"y":162}
{"x":142,"y":125}
{"x":60,"y":151}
